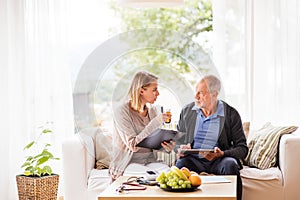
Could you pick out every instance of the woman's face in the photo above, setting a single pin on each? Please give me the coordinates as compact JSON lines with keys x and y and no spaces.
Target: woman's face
{"x":149,"y":94}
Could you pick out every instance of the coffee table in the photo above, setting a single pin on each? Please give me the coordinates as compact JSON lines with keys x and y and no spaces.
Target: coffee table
{"x":207,"y":191}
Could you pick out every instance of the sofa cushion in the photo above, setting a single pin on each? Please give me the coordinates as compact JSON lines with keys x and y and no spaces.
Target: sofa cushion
{"x":261,"y":174}
{"x":262,"y":184}
{"x":98,"y":180}
{"x":263,"y":145}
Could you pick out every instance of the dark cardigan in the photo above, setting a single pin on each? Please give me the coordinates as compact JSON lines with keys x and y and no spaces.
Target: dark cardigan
{"x":231,"y":139}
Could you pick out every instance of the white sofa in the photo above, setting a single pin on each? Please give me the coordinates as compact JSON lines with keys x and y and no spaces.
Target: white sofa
{"x":83,"y":182}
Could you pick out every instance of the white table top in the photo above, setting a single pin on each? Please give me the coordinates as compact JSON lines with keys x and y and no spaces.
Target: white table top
{"x":211,"y":189}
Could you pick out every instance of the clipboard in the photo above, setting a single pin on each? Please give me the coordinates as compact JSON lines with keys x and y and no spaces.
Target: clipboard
{"x":154,"y":140}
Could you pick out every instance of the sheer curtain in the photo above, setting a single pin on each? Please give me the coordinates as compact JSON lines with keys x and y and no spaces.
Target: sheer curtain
{"x":35,"y":82}
{"x":230,"y":52}
{"x":258,"y":55}
{"x":276,"y":61}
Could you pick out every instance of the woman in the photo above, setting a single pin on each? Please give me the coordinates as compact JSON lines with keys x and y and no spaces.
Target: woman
{"x":134,"y":121}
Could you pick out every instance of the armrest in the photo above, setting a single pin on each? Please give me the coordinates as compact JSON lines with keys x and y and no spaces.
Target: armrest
{"x":289,"y":150}
{"x":76,"y":168}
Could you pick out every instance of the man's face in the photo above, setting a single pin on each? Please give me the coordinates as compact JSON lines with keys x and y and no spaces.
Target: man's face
{"x":203,"y":98}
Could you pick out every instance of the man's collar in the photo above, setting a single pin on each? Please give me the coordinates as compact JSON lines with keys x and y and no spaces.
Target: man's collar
{"x":220,"y":109}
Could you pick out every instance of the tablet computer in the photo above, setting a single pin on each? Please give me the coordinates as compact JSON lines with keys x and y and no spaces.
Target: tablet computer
{"x":196,"y":151}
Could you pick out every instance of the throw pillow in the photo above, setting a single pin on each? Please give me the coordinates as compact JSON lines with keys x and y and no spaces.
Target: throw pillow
{"x":99,"y":145}
{"x":103,"y":149}
{"x":263,"y":145}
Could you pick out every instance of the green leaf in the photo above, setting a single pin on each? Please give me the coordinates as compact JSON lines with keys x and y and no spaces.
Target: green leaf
{"x":47,"y":145}
{"x":29,"y":168}
{"x":29,"y":145}
{"x":47,"y":131}
{"x":47,"y":153}
{"x":27,"y":173}
{"x":38,"y":156}
{"x":47,"y":170}
{"x":42,"y":160}
{"x":29,"y":158}
{"x":26,"y":164}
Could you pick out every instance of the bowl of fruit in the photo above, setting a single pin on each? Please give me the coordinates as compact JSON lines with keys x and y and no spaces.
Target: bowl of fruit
{"x":179,"y":180}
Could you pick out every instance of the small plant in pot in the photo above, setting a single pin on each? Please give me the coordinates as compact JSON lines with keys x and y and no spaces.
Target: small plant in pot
{"x":37,"y":181}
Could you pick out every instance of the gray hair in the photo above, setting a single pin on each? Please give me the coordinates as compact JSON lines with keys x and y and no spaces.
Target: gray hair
{"x":212,"y":82}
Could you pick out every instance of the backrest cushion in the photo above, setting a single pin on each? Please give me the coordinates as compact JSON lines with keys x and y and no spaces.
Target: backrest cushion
{"x":103,"y":149}
{"x":263,"y":145}
{"x":98,"y":144}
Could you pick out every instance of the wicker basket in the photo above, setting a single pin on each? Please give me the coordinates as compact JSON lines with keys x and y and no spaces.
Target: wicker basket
{"x":37,"y":188}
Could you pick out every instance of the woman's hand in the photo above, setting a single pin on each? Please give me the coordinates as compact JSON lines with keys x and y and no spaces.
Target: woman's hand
{"x":167,"y":117}
{"x":168,"y":146}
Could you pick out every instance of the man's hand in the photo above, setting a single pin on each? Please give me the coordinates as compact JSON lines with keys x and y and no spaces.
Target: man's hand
{"x":179,"y":154}
{"x":213,"y":155}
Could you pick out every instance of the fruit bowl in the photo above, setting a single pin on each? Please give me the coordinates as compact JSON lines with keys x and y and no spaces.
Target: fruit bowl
{"x":170,"y":189}
{"x":178,"y":180}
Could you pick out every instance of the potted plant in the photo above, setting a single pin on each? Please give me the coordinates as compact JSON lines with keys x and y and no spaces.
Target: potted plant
{"x":37,"y":181}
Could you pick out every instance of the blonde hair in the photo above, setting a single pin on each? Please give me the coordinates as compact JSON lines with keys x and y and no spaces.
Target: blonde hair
{"x":140,"y":80}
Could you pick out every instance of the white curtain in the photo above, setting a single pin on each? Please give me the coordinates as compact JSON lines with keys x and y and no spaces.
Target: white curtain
{"x":257,"y":51}
{"x":276,"y":61}
{"x":230,"y":53}
{"x":35,"y":82}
